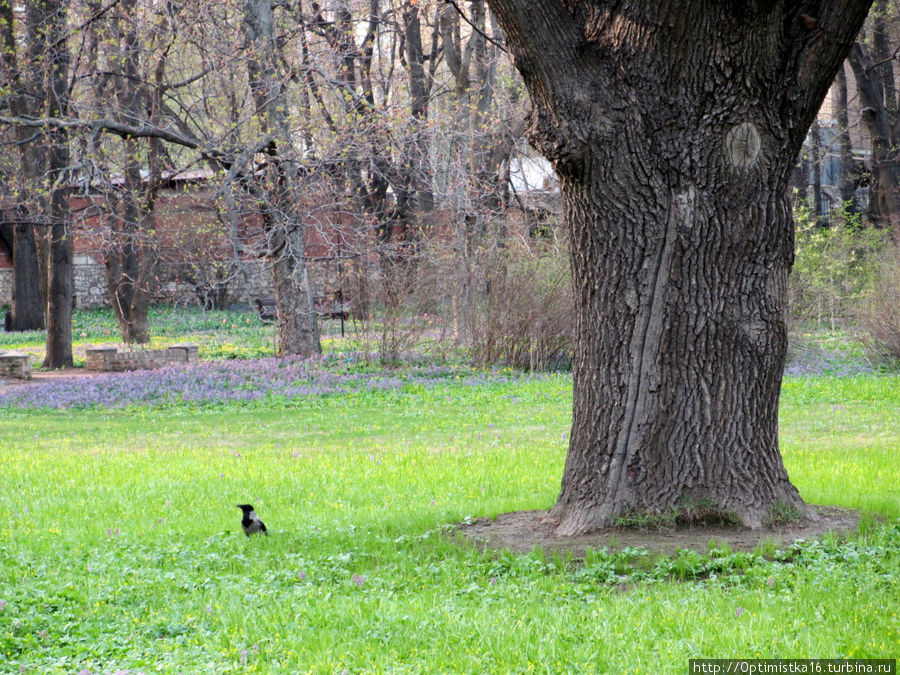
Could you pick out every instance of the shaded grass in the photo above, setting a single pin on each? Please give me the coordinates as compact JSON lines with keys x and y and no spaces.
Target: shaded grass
{"x":219,"y":334}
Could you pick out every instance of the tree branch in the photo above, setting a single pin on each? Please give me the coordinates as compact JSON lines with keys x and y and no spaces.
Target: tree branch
{"x":111,"y":126}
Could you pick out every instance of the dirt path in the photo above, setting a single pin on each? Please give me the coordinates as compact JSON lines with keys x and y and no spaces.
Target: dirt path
{"x":37,"y":376}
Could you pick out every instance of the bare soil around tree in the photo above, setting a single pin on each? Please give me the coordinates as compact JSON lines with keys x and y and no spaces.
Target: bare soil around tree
{"x":524,"y":531}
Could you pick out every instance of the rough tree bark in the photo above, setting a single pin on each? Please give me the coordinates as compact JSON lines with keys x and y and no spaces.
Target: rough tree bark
{"x":673,"y":127}
{"x":27,"y":302}
{"x":872,"y":67}
{"x":60,"y":290}
{"x":130,"y":254}
{"x":849,"y":178}
{"x":279,"y":201}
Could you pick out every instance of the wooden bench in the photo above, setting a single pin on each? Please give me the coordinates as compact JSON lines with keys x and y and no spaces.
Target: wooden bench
{"x":331,"y":308}
{"x":266,"y":309}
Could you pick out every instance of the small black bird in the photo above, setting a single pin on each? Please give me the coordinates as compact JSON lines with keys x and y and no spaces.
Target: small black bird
{"x":251,"y":522}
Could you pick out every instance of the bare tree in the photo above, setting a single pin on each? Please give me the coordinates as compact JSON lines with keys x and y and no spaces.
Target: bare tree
{"x":871,"y":59}
{"x":297,"y":324}
{"x":57,"y":184}
{"x":27,"y":302}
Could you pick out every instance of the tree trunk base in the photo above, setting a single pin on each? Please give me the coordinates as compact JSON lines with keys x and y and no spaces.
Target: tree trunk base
{"x":575,"y":519}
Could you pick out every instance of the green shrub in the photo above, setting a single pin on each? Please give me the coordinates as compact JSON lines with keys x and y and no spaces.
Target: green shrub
{"x":834,"y":269}
{"x":528,"y":314}
{"x":880,"y":315}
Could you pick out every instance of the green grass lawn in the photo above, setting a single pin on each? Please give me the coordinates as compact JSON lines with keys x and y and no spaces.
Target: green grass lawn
{"x":121,"y":549}
{"x":219,"y":334}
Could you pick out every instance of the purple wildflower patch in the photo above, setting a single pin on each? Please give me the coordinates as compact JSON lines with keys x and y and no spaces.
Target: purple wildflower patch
{"x":245,"y":381}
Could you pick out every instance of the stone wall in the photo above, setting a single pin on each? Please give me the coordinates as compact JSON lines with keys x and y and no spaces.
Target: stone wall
{"x":16,"y":365}
{"x":90,"y":285}
{"x":90,"y":282}
{"x":6,"y":281}
{"x":111,"y":359}
{"x":211,"y":287}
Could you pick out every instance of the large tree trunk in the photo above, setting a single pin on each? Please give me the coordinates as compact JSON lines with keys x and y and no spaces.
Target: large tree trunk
{"x":673,"y":127}
{"x":61,"y":284}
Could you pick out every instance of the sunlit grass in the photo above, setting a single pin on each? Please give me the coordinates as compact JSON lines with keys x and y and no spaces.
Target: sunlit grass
{"x":121,"y":548}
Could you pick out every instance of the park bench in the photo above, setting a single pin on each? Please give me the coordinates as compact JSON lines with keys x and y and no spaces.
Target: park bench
{"x":325,"y":306}
{"x":266,"y":308}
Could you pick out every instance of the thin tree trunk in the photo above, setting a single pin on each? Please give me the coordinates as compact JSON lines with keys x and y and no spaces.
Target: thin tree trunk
{"x":130,"y":257}
{"x":884,"y":204}
{"x":298,"y":329}
{"x":60,"y":284}
{"x":816,"y":133}
{"x":27,"y":302}
{"x":847,"y":181}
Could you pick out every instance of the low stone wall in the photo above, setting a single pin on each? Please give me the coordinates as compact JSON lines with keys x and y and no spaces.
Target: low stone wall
{"x":111,"y":359}
{"x":16,"y":365}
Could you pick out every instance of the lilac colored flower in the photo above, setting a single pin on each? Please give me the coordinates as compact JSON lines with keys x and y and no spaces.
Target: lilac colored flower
{"x":492,"y":581}
{"x":738,"y":612}
{"x":359,"y":580}
{"x":243,"y":656}
{"x":209,"y":609}
{"x":2,"y":605}
{"x":301,"y":575}
{"x":241,"y":381}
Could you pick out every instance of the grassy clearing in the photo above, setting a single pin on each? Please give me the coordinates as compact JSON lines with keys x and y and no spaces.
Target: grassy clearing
{"x":121,"y":547}
{"x":219,"y":334}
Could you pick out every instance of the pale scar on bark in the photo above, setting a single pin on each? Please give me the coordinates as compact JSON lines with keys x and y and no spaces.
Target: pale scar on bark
{"x":742,"y":145}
